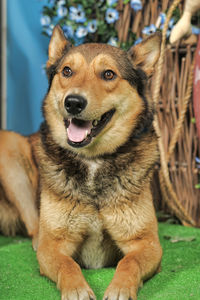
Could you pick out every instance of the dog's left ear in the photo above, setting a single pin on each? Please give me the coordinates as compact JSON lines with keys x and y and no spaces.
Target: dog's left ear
{"x":57,"y":45}
{"x":145,"y":55}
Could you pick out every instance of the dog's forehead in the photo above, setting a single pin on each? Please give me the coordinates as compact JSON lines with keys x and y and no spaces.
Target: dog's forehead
{"x":104,"y":56}
{"x":91,"y":51}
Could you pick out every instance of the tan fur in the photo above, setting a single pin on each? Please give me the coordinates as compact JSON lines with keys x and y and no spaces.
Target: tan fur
{"x":116,"y":93}
{"x":96,"y":206}
{"x":18,"y":185}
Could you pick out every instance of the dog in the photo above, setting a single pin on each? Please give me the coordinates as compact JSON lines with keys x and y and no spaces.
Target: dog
{"x":90,"y":166}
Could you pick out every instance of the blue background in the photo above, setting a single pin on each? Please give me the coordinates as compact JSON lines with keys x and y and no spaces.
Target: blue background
{"x":26,"y":54}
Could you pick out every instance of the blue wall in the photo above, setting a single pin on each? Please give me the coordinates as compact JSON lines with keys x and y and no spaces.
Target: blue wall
{"x":26,"y":53}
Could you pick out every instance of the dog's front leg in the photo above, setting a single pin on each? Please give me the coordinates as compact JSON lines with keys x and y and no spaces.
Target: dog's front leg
{"x":55,"y":262}
{"x":142,"y":259}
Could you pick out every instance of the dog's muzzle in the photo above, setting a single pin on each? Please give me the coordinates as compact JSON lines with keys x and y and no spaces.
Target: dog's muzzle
{"x":81,"y":132}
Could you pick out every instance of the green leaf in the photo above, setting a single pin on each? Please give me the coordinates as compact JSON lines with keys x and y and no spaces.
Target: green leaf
{"x":84,"y":3}
{"x":193,"y":120}
{"x":88,"y":11}
{"x":126,"y":1}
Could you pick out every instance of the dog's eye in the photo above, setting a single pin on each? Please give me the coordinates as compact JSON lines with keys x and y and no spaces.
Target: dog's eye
{"x":108,"y":75}
{"x":67,"y":72}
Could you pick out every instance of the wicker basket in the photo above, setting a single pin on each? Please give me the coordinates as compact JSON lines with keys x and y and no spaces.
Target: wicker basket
{"x":129,"y":20}
{"x":182,"y":165}
{"x":183,"y":171}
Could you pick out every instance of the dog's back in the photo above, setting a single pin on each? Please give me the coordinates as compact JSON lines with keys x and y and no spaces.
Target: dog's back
{"x":18,"y":184}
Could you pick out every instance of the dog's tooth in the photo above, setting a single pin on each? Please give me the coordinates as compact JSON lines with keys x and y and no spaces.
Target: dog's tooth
{"x":86,"y":133}
{"x":95,"y":122}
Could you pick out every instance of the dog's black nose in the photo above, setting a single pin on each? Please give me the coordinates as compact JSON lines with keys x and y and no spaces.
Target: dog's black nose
{"x":75,"y":104}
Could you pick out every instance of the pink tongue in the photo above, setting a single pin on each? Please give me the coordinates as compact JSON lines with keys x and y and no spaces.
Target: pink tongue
{"x":78,"y":133}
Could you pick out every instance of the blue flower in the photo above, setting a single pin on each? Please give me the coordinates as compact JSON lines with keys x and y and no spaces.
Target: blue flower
{"x":61,"y":2}
{"x":92,"y":26}
{"x":68,"y":31}
{"x":77,"y":14}
{"x":112,"y":15}
{"x":78,"y":42}
{"x":195,"y":30}
{"x":149,"y":29}
{"x":171,"y":23}
{"x":197,"y":160}
{"x":81,"y":32}
{"x":52,"y":2}
{"x":45,"y":20}
{"x":112,"y":41}
{"x":139,"y":40}
{"x":162,"y":17}
{"x":161,"y":21}
{"x":111,"y":2}
{"x":168,"y":33}
{"x":49,"y":30}
{"x":170,"y":27}
{"x":136,"y":5}
{"x":62,"y":11}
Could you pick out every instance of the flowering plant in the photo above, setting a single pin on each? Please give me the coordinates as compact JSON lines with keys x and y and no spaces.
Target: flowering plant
{"x":86,"y":20}
{"x":96,"y":21}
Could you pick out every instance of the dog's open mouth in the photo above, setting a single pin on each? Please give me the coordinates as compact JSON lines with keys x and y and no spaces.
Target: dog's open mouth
{"x":80,"y":132}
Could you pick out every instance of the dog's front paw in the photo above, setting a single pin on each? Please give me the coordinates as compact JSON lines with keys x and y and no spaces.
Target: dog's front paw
{"x":114,"y":292}
{"x":78,"y":294}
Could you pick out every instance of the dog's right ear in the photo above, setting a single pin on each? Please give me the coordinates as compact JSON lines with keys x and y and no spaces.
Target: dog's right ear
{"x":57,"y":45}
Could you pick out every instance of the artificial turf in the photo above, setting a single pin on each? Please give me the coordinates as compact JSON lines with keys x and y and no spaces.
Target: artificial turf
{"x":178,"y":280}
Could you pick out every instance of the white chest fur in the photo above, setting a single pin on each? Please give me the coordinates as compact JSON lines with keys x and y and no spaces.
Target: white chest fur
{"x":92,"y":253}
{"x":93,"y":166}
{"x":98,"y":250}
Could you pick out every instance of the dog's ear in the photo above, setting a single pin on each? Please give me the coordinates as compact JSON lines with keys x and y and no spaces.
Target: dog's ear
{"x":57,"y":45}
{"x":145,"y":54}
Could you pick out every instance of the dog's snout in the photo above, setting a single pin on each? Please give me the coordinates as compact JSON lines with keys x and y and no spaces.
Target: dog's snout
{"x":75,"y":104}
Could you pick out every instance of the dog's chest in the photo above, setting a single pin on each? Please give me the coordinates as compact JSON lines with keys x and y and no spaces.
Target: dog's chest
{"x":100,"y":182}
{"x":92,"y":254}
{"x":98,"y":250}
{"x":93,"y":167}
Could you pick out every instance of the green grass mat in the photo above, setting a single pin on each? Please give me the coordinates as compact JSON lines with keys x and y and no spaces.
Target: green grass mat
{"x":178,"y":280}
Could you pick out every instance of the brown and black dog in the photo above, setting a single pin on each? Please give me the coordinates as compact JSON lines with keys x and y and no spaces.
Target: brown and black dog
{"x":92,"y":162}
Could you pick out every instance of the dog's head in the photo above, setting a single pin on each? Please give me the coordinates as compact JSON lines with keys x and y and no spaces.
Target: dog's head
{"x":97,"y":93}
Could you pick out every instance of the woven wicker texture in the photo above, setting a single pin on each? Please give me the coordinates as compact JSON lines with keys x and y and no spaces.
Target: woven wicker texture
{"x":172,"y":95}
